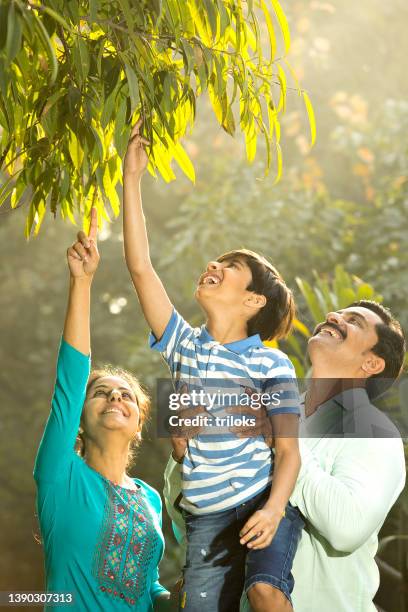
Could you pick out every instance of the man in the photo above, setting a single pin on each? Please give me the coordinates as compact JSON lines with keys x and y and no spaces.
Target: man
{"x":353,"y":466}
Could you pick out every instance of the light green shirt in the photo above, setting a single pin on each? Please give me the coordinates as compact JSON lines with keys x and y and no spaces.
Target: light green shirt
{"x":345,"y":490}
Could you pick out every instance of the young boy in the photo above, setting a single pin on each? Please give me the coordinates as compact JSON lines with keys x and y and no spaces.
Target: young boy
{"x":234,"y":517}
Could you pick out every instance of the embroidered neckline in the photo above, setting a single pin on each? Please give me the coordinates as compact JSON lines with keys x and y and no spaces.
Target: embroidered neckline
{"x":118,"y":486}
{"x":127,"y":545}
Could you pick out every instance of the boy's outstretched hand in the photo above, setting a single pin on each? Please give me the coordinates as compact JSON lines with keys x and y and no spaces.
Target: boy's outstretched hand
{"x":83,"y":255}
{"x":136,"y":157}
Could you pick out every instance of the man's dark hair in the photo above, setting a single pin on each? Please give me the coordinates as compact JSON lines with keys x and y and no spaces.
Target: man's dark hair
{"x":390,"y":346}
{"x":275,"y":319}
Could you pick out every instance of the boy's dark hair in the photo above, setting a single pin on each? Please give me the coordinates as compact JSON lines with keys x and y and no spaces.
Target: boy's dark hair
{"x":274,"y":320}
{"x":390,"y":346}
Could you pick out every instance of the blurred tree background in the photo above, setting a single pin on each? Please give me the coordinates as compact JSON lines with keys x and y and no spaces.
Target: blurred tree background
{"x":344,"y":203}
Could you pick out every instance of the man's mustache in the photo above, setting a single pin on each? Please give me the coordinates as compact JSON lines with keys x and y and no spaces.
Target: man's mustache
{"x":334,"y":326}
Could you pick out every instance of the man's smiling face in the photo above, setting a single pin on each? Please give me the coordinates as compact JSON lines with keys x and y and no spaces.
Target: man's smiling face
{"x":345,"y":341}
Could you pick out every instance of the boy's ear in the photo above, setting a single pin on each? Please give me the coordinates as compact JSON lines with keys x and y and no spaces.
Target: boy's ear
{"x":255,"y":300}
{"x":373,"y":364}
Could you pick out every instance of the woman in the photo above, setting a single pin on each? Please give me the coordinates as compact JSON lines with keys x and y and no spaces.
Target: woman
{"x":101,"y":529}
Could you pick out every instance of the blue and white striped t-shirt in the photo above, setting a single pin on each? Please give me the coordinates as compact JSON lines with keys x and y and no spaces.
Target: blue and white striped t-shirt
{"x":221,"y":471}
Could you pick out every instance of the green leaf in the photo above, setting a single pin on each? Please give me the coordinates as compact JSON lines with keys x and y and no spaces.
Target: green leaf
{"x":57,"y":17}
{"x":14,"y":31}
{"x":327,"y":299}
{"x":107,"y":108}
{"x":283,"y":86}
{"x":18,"y":192}
{"x":72,"y":8}
{"x":279,"y":162}
{"x":228,"y":123}
{"x":311,"y":300}
{"x":93,"y":9}
{"x":183,"y":160}
{"x":75,"y":150}
{"x":125,"y":6}
{"x":267,"y":144}
{"x":66,"y":210}
{"x":250,"y":143}
{"x":224,"y":17}
{"x":55,"y":97}
{"x":4,"y":81}
{"x":202,"y":76}
{"x":64,"y":184}
{"x":6,"y":190}
{"x":365,"y":292}
{"x":29,"y":220}
{"x":283,"y":22}
{"x":133,"y":87}
{"x":212,"y":17}
{"x":47,"y":44}
{"x":188,"y":56}
{"x":346,"y":297}
{"x":81,"y":58}
{"x":311,"y":116}
{"x":3,"y":23}
{"x":295,"y":345}
{"x":215,"y":103}
{"x":271,"y":30}
{"x":163,"y":164}
{"x":301,"y":327}
{"x":98,"y":147}
{"x":341,"y":279}
{"x":39,"y":215}
{"x":120,"y":132}
{"x":111,"y":192}
{"x":54,"y":199}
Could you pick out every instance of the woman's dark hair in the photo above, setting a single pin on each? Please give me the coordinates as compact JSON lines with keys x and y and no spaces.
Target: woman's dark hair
{"x":274,"y":320}
{"x":142,"y":398}
{"x":390,"y":346}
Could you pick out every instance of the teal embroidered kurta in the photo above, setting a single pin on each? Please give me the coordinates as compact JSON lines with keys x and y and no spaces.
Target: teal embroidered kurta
{"x":102,"y":542}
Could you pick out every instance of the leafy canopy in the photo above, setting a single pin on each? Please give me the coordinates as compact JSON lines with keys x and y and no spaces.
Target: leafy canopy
{"x":74,"y":75}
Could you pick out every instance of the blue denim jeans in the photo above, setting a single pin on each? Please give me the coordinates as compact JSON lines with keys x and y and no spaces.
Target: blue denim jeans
{"x":218,"y":568}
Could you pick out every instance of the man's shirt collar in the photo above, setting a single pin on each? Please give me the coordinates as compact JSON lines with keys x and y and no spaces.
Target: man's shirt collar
{"x":349,"y":399}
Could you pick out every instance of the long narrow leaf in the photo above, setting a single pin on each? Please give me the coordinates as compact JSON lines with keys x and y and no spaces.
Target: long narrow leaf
{"x":183,"y":160}
{"x":283,"y":22}
{"x":311,"y":117}
{"x":48,"y":47}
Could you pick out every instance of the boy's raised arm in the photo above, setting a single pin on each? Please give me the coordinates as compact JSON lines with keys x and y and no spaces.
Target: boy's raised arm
{"x":153,"y":298}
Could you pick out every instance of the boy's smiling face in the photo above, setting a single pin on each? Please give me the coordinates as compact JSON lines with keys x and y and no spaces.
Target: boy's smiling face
{"x":224,"y":283}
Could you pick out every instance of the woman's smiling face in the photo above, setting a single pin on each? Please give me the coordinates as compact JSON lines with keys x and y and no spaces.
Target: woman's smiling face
{"x":111,"y":404}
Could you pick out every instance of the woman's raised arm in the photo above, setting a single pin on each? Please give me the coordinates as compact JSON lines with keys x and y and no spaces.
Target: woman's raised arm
{"x":56,"y":449}
{"x":83,"y":259}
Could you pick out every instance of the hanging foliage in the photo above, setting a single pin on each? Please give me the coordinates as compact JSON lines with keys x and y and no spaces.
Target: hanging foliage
{"x":74,"y":75}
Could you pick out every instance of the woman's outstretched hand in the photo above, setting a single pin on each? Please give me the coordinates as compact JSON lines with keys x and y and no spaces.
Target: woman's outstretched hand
{"x":83,"y":255}
{"x":136,"y":157}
